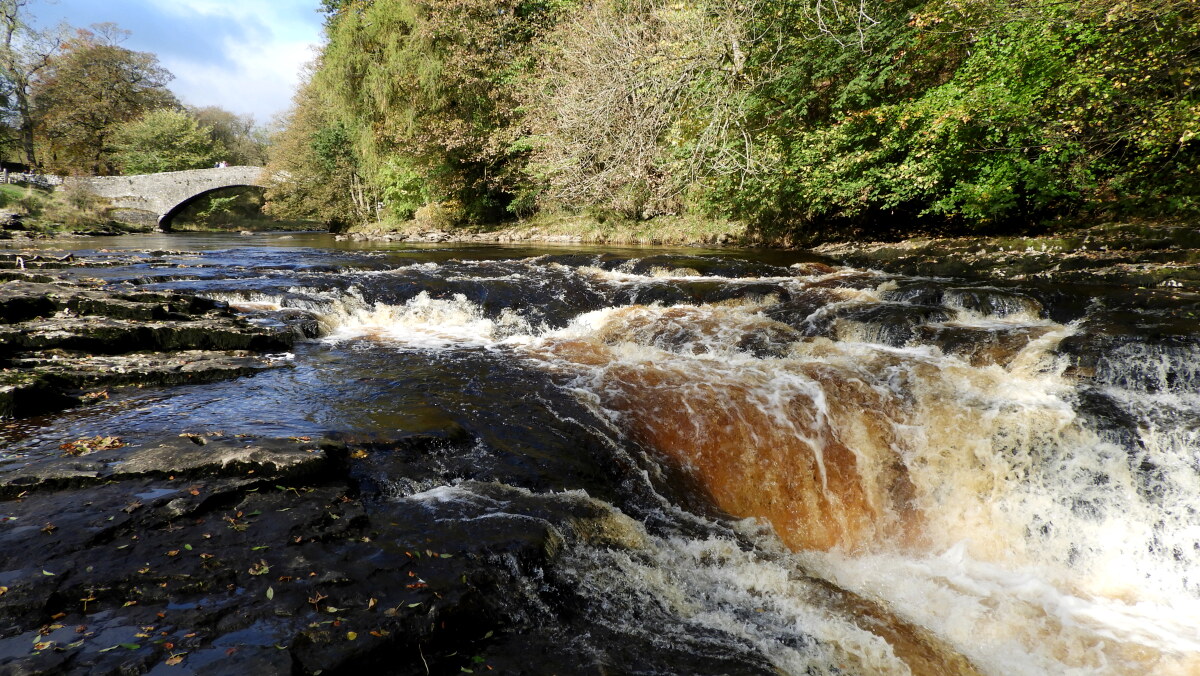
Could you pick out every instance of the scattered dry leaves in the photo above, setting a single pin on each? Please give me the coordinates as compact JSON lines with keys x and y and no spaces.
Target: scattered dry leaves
{"x":85,"y":446}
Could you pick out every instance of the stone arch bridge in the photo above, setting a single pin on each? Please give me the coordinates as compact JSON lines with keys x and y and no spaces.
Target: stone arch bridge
{"x":159,"y":197}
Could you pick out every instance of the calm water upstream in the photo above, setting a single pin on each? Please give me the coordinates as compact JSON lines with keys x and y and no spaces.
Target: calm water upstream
{"x":811,"y":469}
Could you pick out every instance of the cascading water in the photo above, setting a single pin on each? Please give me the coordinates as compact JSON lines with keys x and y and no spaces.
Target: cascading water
{"x":934,"y":462}
{"x":918,"y":476}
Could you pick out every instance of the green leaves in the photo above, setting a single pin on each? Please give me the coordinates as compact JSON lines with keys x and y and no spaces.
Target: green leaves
{"x":165,"y":140}
{"x":886,"y":114}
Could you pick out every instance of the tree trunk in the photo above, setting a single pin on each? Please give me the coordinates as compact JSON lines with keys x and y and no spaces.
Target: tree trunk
{"x":26,"y":127}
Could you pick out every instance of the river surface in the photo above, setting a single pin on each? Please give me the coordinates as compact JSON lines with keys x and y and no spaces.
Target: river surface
{"x":810,"y":468}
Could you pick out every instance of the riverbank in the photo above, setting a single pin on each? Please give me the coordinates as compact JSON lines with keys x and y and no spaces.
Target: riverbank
{"x":1131,"y":253}
{"x":566,"y":229}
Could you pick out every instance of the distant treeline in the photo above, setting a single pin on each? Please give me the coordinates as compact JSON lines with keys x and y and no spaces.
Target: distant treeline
{"x":797,"y":116}
{"x":74,"y":101}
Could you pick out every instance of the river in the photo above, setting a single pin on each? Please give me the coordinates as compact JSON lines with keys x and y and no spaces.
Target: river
{"x":806,"y":468}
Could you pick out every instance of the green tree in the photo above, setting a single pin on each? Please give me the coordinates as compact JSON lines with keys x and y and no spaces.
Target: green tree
{"x":88,"y":91}
{"x":435,"y":84}
{"x":970,"y":114}
{"x":314,"y":172}
{"x":244,"y":142}
{"x":809,"y":118}
{"x":164,"y":140}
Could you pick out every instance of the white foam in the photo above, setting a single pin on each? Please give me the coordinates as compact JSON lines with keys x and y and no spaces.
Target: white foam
{"x":426,"y":322}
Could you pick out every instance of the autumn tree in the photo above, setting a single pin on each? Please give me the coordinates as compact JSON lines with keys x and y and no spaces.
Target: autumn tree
{"x":88,"y":91}
{"x":24,"y":54}
{"x":634,"y":101}
{"x":427,"y":92}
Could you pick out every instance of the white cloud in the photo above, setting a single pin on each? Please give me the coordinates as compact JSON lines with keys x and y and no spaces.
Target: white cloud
{"x":242,"y":55}
{"x":258,"y":72}
{"x":258,"y":79}
{"x":250,"y":54}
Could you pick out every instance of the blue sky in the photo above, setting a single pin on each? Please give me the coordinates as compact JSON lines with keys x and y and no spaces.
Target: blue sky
{"x":242,"y":55}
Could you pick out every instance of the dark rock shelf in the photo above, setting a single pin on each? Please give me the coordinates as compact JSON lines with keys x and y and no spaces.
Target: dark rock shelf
{"x":268,"y":556}
{"x":59,"y":338}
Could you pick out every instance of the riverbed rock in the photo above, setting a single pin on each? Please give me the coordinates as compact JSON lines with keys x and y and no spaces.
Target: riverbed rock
{"x":60,"y":337}
{"x":180,"y":557}
{"x":11,"y":220}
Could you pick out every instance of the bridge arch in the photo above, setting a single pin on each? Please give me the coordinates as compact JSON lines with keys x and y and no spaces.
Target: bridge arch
{"x":161,"y":196}
{"x":166,"y":219}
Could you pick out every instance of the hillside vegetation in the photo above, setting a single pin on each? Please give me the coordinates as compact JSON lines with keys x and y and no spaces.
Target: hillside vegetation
{"x":802,"y":119}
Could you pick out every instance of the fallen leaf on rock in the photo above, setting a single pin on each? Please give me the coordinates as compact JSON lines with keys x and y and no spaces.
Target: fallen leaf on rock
{"x":351,"y":636}
{"x":173,"y":660}
{"x":86,"y":446}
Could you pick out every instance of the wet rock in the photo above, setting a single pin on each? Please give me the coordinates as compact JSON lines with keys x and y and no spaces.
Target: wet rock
{"x":980,"y":346}
{"x":82,"y":371}
{"x":185,"y":456}
{"x":280,"y":458}
{"x":802,"y":306}
{"x":177,"y":557}
{"x":889,"y":323}
{"x":59,"y":338}
{"x":24,"y":394}
{"x":20,"y":301}
{"x":103,"y":335}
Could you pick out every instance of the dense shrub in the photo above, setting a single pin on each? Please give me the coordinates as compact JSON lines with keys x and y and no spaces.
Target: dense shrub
{"x":799,"y":116}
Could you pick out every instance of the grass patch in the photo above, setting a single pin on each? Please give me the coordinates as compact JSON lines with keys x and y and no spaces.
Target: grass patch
{"x":11,"y":194}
